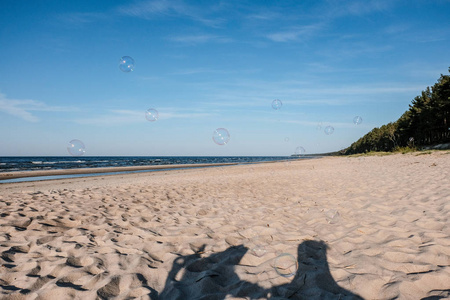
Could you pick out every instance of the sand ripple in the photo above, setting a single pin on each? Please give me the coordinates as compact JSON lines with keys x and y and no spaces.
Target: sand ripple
{"x":376,"y":228}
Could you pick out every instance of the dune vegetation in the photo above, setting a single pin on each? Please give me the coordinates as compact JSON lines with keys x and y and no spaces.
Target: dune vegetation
{"x":427,"y":122}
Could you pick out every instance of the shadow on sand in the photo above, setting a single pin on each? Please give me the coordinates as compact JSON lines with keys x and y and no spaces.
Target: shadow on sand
{"x":214,"y":277}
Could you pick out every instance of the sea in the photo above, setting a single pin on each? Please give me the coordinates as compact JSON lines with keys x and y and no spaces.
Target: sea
{"x":39,"y":163}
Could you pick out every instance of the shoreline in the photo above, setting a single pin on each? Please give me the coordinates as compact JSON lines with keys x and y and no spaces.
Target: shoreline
{"x":122,"y":170}
{"x":76,"y":171}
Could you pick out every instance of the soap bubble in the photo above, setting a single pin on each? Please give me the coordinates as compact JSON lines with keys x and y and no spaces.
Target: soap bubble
{"x":333,"y":216}
{"x":411,"y":139}
{"x":76,"y":148}
{"x":276,"y":104}
{"x":286,"y":139}
{"x":286,"y":265}
{"x":126,"y":64}
{"x":357,"y":120}
{"x":221,"y":136}
{"x":259,"y":250}
{"x":300,"y":150}
{"x":329,"y":130}
{"x":151,"y":114}
{"x":319,"y":126}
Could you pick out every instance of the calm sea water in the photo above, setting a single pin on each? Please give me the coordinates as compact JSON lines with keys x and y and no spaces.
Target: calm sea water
{"x":29,"y":163}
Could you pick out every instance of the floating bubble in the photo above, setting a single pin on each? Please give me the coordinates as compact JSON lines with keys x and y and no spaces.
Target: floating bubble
{"x":276,"y":104}
{"x":319,"y":126}
{"x":300,"y":150}
{"x":357,"y":120}
{"x":285,"y":265}
{"x":329,"y":130}
{"x":333,"y":216}
{"x":126,"y":64}
{"x":411,"y":139}
{"x":151,"y":114}
{"x":221,"y":136}
{"x":259,"y":250}
{"x":76,"y":148}
{"x":286,"y":139}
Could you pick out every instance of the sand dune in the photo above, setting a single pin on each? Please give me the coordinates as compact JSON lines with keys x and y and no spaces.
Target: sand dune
{"x":355,"y":228}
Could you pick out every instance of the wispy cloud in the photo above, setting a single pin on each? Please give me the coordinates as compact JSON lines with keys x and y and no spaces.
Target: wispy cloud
{"x":366,"y":7}
{"x":336,"y":8}
{"x":23,"y":108}
{"x":409,"y":33}
{"x":201,"y":71}
{"x":397,"y":28}
{"x":199,"y":38}
{"x":124,"y":116}
{"x":153,"y":8}
{"x":296,"y":33}
{"x":355,"y":49}
{"x":79,"y":19}
{"x":114,"y":117}
{"x":236,"y":93}
{"x":264,"y":16}
{"x":185,"y":115}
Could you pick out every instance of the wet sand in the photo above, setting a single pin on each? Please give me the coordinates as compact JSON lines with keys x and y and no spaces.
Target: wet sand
{"x":78,"y":171}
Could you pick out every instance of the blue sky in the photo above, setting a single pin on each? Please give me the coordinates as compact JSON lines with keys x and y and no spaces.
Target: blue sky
{"x":211,"y":64}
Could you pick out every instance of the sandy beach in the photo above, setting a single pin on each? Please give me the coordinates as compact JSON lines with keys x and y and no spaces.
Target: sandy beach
{"x":332,"y":228}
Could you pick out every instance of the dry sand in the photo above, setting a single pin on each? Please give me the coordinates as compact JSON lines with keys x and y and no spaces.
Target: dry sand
{"x":371,"y":228}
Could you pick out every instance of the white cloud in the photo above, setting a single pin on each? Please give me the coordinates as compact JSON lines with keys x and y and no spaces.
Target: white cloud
{"x":23,"y":108}
{"x":123,"y":116}
{"x":201,"y":71}
{"x":366,"y":7}
{"x":153,"y":8}
{"x":335,"y":8}
{"x":78,"y":19}
{"x":199,"y":38}
{"x":293,"y":34}
{"x":114,"y":117}
{"x":146,"y":8}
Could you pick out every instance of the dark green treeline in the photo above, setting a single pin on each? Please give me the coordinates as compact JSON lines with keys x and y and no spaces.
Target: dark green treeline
{"x":426,"y":122}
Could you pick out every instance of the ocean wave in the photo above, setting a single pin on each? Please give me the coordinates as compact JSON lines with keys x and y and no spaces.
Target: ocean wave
{"x":43,"y":162}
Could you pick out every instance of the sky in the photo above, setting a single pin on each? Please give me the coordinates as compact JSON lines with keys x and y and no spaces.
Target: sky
{"x":210,"y":64}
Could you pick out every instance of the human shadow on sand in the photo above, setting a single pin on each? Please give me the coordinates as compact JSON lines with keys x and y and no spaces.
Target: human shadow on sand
{"x":214,"y":277}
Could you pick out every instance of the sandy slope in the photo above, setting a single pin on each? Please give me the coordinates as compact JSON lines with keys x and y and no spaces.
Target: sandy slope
{"x":372,"y":228}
